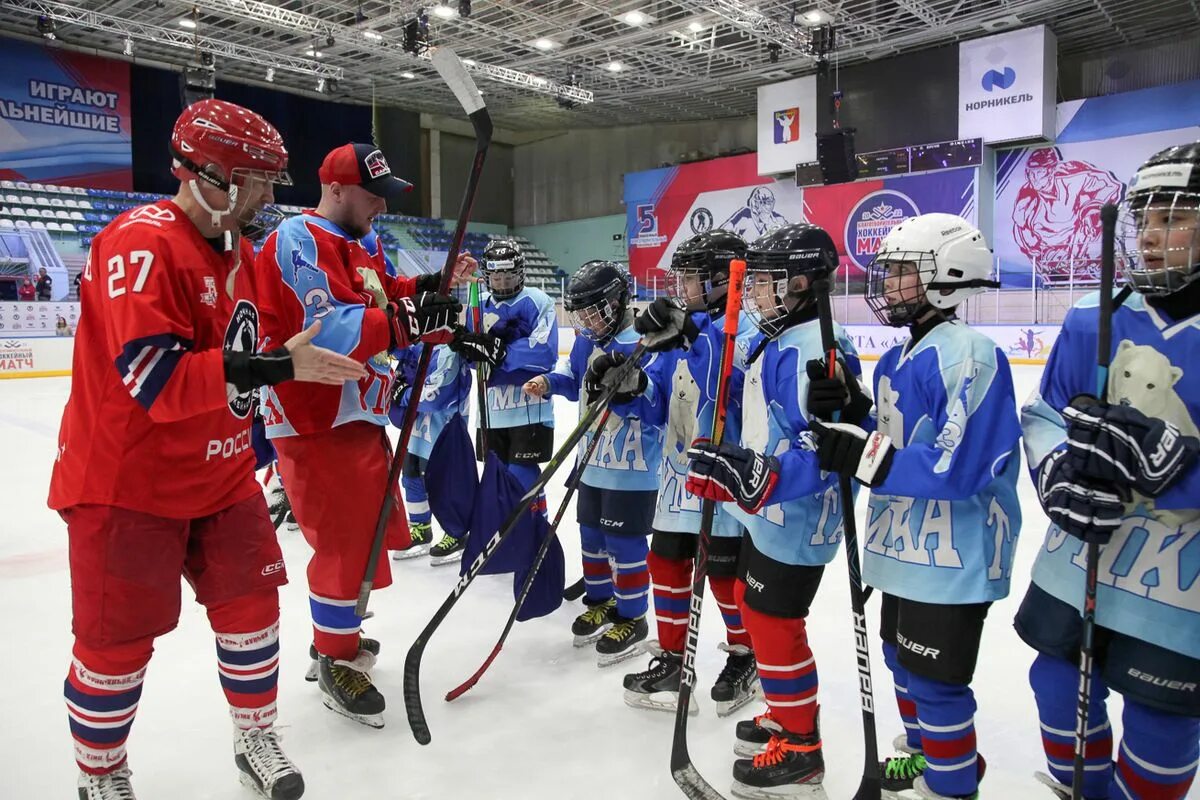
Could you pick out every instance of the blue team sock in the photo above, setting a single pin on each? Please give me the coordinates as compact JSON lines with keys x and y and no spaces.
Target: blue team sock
{"x":1055,"y":685}
{"x":597,"y":574}
{"x":1158,"y":755}
{"x":628,"y":554}
{"x":904,"y":701}
{"x":416,"y":500}
{"x":946,"y":713}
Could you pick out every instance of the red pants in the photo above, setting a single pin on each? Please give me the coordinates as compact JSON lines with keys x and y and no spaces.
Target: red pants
{"x":336,"y":481}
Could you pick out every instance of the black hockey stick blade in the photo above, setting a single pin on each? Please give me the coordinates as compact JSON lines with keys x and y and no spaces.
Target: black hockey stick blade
{"x":574,"y":591}
{"x":416,"y":652}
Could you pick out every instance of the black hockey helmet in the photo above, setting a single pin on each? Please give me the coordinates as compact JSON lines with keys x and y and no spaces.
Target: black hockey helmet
{"x":700,"y":268}
{"x":1161,"y":233}
{"x":504,"y":268}
{"x":597,"y":298}
{"x":772,"y":296}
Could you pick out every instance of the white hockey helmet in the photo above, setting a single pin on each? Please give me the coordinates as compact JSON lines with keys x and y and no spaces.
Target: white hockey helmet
{"x":949,"y":256}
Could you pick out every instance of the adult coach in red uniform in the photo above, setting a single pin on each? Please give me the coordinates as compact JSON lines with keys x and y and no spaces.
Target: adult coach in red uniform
{"x":328,"y":265}
{"x":155,"y":473}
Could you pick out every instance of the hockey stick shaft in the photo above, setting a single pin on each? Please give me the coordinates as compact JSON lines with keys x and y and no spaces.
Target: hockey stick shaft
{"x":481,"y":389}
{"x":683,"y":771}
{"x":573,"y":481}
{"x":574,"y":591}
{"x":456,"y":76}
{"x":1108,"y":270}
{"x":869,"y":787}
{"x":412,"y":662}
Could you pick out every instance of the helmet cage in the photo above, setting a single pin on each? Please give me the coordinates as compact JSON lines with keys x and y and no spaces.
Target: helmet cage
{"x":889,"y":307}
{"x":597,"y":314}
{"x":1153,"y":264}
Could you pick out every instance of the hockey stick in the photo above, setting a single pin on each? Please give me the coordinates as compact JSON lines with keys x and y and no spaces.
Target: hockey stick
{"x":683,"y":771}
{"x":459,"y":80}
{"x":574,"y":591}
{"x":573,"y":481}
{"x":412,"y":662}
{"x":1108,"y":271}
{"x":869,"y":787}
{"x":481,"y":376}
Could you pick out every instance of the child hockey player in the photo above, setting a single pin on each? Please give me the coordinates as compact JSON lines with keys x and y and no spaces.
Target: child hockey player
{"x":519,"y":341}
{"x":700,"y":269}
{"x":789,"y":507}
{"x":944,"y":516}
{"x":1122,"y":472}
{"x":445,"y":395}
{"x":618,"y":487}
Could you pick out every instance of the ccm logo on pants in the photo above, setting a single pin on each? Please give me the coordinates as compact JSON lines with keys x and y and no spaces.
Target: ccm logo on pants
{"x":228,"y":448}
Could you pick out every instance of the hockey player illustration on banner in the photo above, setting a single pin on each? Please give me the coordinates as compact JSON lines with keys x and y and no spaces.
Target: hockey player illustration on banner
{"x":619,"y":486}
{"x":699,"y":279}
{"x":328,"y":264}
{"x":1122,"y":472}
{"x":1056,"y":216}
{"x":770,"y":482}
{"x":757,"y":217}
{"x":154,"y":473}
{"x":941,"y":458}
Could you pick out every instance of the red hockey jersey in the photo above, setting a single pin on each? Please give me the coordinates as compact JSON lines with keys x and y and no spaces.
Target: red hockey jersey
{"x":151,"y":424}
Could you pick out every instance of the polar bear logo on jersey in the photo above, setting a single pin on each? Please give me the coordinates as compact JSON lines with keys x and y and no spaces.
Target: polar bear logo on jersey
{"x":1144,"y":378}
{"x":681,"y":411}
{"x":887,"y":411}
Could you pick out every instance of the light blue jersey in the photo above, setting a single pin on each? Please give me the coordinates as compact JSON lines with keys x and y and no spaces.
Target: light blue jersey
{"x":690,"y":380}
{"x":1148,"y":573}
{"x":942,"y":528}
{"x":447,"y":392}
{"x":802,"y":523}
{"x":630,"y":449}
{"x":529,"y":327}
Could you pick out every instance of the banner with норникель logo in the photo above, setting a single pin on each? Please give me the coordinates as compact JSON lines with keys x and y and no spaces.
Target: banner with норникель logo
{"x":1006,"y":86}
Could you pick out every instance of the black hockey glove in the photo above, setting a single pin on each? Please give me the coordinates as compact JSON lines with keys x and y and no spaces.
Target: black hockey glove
{"x":1080,"y":507}
{"x":730,"y":473}
{"x":1119,"y":446}
{"x":429,"y":282}
{"x":851,"y":452}
{"x":479,"y":348}
{"x":427,"y":317}
{"x":827,"y":396}
{"x":400,"y":390}
{"x":666,"y":325}
{"x":603,"y":371}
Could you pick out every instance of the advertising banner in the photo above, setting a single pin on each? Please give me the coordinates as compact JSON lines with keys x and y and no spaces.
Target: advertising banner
{"x":1006,"y":86}
{"x":787,"y":125}
{"x":64,"y":118}
{"x":34,"y":318}
{"x":667,"y":206}
{"x":1023,"y":344}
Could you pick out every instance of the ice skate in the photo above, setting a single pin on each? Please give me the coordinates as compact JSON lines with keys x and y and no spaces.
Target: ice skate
{"x":264,"y":767}
{"x":347,"y":689}
{"x":737,"y":684}
{"x":314,"y":666}
{"x":657,"y":687}
{"x":594,"y":621}
{"x":621,"y":641}
{"x":113,"y":785}
{"x":448,"y":550}
{"x":421,"y":534}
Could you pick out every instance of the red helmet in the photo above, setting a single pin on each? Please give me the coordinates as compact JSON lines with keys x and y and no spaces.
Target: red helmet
{"x":225,"y":135}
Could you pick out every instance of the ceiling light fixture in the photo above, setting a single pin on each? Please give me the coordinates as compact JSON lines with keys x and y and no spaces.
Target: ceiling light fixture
{"x":320,"y":85}
{"x":444,"y":12}
{"x":128,"y":48}
{"x":695,"y":27}
{"x":270,"y":74}
{"x":311,"y":53}
{"x":614,"y":66}
{"x":468,"y":62}
{"x":187,"y":22}
{"x":407,"y":75}
{"x":634,"y":18}
{"x":545,"y":44}
{"x":374,"y":36}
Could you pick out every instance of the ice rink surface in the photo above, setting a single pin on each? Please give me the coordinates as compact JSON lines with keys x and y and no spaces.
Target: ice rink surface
{"x":543,"y":723}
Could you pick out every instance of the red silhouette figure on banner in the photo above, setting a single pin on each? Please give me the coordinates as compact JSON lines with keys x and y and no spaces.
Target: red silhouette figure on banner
{"x":1056,"y":219}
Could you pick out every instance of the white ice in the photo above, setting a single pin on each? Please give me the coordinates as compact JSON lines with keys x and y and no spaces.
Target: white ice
{"x":544,"y":722}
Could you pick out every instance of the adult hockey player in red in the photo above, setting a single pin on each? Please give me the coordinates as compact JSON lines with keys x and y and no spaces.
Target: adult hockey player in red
{"x":155,"y":473}
{"x":328,"y":265}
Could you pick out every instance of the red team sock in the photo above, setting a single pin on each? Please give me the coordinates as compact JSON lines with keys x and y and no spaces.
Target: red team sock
{"x":247,"y":633}
{"x":723,"y":591}
{"x":786,"y":668}
{"x":672,"y":583}
{"x":102,"y":692}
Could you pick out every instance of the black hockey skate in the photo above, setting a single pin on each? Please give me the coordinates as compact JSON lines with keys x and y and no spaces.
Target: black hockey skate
{"x":904,"y":779}
{"x":347,"y":689}
{"x":421,"y":534}
{"x":264,"y":767}
{"x":113,"y":785}
{"x":621,"y":641}
{"x":738,"y":682}
{"x":314,"y":667}
{"x":594,"y":621}
{"x":754,"y":734}
{"x":657,"y":688}
{"x":448,"y":550}
{"x":791,"y":766}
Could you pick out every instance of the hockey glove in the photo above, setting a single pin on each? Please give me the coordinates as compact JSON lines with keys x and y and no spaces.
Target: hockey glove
{"x":429,"y":282}
{"x":1076,"y":505}
{"x":851,"y":452}
{"x":666,"y":325}
{"x":604,"y":370}
{"x":1119,"y":446}
{"x":479,"y":348}
{"x":400,"y":390}
{"x":827,"y":396}
{"x":426,"y":317}
{"x":730,"y":473}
